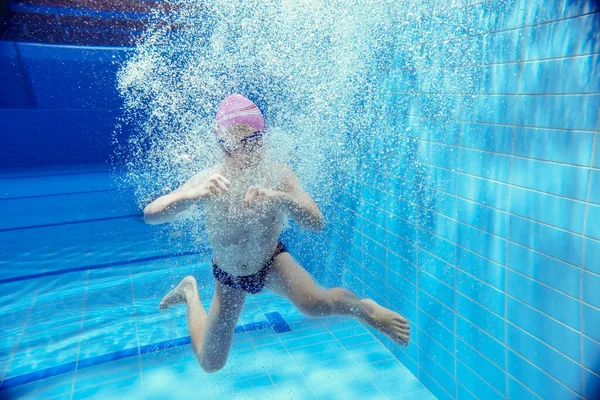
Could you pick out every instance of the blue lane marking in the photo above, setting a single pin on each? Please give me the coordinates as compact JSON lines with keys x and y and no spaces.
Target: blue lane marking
{"x":78,"y":12}
{"x":98,"y":266}
{"x":56,"y":174}
{"x":278,"y":323}
{"x":83,"y":221}
{"x":64,"y":194}
{"x":275,"y":321}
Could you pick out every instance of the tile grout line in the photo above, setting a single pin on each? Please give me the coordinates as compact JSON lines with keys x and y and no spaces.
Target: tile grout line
{"x":85,"y":300}
{"x":350,"y":355}
{"x":538,"y":222}
{"x":14,"y":350}
{"x":492,"y":123}
{"x":137,"y":337}
{"x":506,"y":256}
{"x":458,"y":153}
{"x":583,"y":264}
{"x":298,"y":369}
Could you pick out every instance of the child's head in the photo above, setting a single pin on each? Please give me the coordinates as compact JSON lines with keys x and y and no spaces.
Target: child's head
{"x":238,"y":121}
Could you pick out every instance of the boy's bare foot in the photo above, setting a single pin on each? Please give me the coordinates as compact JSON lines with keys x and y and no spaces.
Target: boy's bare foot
{"x":387,"y":321}
{"x":177,"y":295}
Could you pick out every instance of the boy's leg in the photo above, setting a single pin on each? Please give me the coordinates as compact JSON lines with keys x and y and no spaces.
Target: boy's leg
{"x":211,"y":333}
{"x":290,"y":280}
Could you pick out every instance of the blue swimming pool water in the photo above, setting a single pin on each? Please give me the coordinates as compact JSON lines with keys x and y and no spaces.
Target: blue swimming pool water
{"x":476,"y":215}
{"x":82,"y":280}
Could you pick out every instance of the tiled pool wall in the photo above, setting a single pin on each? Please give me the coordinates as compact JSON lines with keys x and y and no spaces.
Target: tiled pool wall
{"x":483,"y":228}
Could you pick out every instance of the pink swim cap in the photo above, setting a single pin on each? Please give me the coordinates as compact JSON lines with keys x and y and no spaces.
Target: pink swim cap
{"x":235,"y":110}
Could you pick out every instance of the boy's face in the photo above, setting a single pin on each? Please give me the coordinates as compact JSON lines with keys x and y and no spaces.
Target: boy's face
{"x":240,"y":141}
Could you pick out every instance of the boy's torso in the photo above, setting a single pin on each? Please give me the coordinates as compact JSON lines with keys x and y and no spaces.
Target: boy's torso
{"x":244,"y":239}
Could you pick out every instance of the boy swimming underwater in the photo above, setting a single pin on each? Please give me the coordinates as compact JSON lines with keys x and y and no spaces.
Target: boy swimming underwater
{"x":247,"y":201}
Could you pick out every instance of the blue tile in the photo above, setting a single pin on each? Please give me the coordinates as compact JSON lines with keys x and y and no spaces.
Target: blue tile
{"x":557,"y":211}
{"x":495,"y":138}
{"x":434,"y":387}
{"x":592,"y":255}
{"x":486,"y":270}
{"x":373,"y":239}
{"x":481,"y":317}
{"x":439,"y":178}
{"x":544,"y":357}
{"x":374,"y":249}
{"x":440,"y":375}
{"x":556,"y":243}
{"x":438,"y":154}
{"x":549,"y":271}
{"x":373,"y":196}
{"x":591,"y":289}
{"x":436,"y":330}
{"x":403,"y":189}
{"x":482,"y":217}
{"x":483,"y":191}
{"x":591,"y":384}
{"x":436,"y":310}
{"x":480,"y":340}
{"x":568,"y":181}
{"x":402,"y":305}
{"x":434,"y":287}
{"x":374,"y":214}
{"x":434,"y":222}
{"x":516,"y":390}
{"x":475,"y":384}
{"x":400,"y":206}
{"x":437,"y":352}
{"x":538,"y":13}
{"x":375,"y":283}
{"x":547,"y":40}
{"x":402,"y":267}
{"x":569,"y":147}
{"x":401,"y":285}
{"x":594,"y":195}
{"x":436,"y":268}
{"x":491,"y":373}
{"x":536,"y":380}
{"x":463,"y":394}
{"x":498,"y":78}
{"x":540,"y":77}
{"x":401,"y":227}
{"x":442,"y":131}
{"x":502,"y":47}
{"x":441,"y":202}
{"x":592,"y":226}
{"x":556,"y":111}
{"x":401,"y":247}
{"x":496,"y":109}
{"x":435,"y":245}
{"x":548,"y":330}
{"x":480,"y":292}
{"x":490,"y":246}
{"x":591,"y":316}
{"x":596,"y":161}
{"x":547,"y":300}
{"x":485,"y":164}
{"x":591,"y":354}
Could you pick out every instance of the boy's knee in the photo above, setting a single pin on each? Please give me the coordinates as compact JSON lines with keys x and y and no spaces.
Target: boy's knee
{"x":316,"y":306}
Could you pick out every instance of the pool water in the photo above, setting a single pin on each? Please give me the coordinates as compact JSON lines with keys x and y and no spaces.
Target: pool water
{"x":83,"y":278}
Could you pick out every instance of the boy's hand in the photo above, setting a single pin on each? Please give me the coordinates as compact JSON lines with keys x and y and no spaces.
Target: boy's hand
{"x":257,"y":196}
{"x":214,"y":186}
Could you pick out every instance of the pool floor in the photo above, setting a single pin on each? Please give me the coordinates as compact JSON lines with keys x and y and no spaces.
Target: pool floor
{"x":81,"y":281}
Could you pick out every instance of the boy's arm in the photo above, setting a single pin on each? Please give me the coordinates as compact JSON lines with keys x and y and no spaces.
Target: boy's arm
{"x":199,"y":187}
{"x":299,"y":205}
